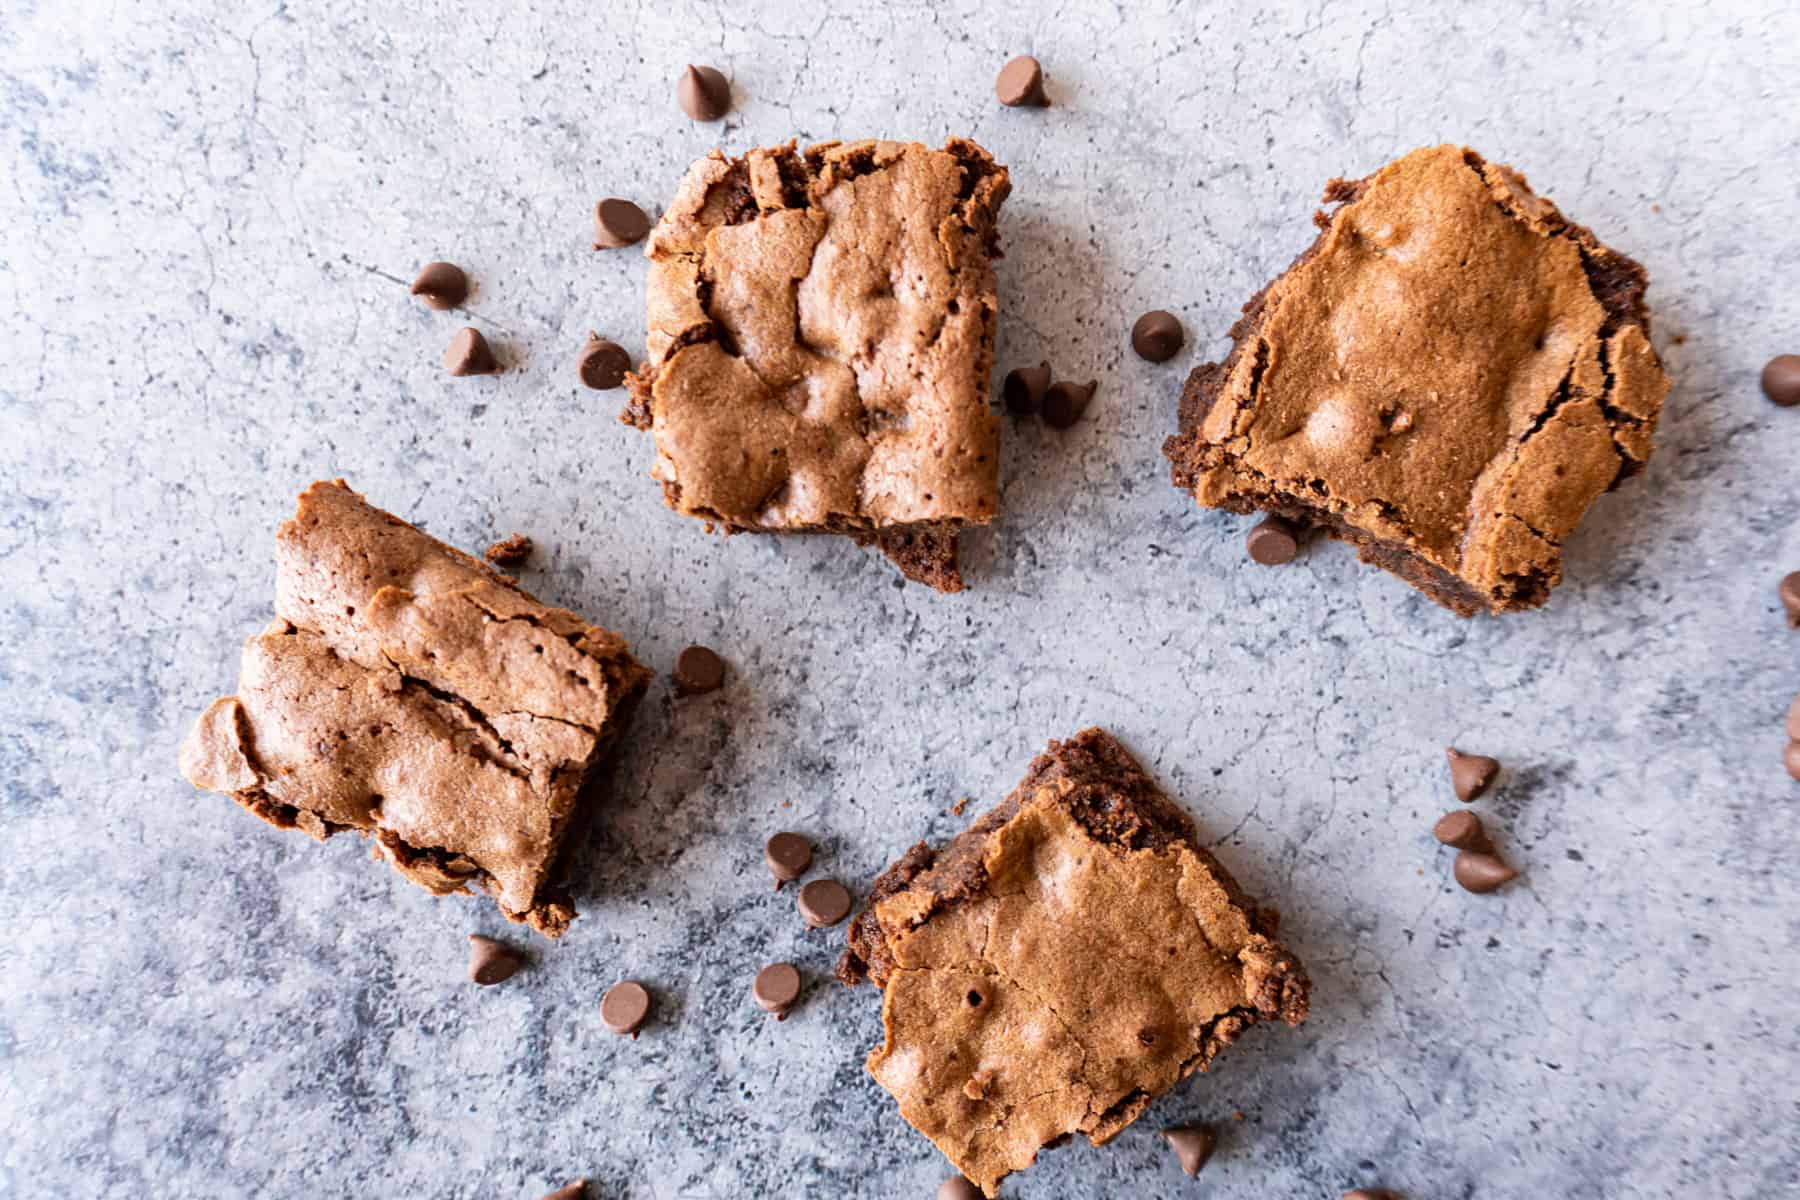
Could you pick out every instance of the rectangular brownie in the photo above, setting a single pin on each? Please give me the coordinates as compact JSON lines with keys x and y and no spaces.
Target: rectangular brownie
{"x":821,"y":329}
{"x":1060,"y":964}
{"x":410,"y":693}
{"x":1448,"y":378}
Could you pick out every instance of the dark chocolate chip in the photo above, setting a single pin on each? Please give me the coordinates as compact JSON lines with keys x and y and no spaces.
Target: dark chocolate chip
{"x":1193,"y":1145}
{"x":788,"y":856}
{"x":1791,"y":759}
{"x":698,"y":670}
{"x":618,"y":223}
{"x":1793,"y":721}
{"x":1781,"y":380}
{"x":441,"y":285}
{"x":1023,"y":389}
{"x":1462,"y":829}
{"x":776,"y":988}
{"x":704,"y":93}
{"x":492,"y":962}
{"x":958,"y":1188}
{"x":625,"y":1007}
{"x":1157,"y":336}
{"x":1478,"y":872}
{"x":469,"y":354}
{"x":1064,"y":402}
{"x":1021,"y":83}
{"x":509,"y":553}
{"x":1274,"y":541}
{"x":603,"y":363}
{"x":573,"y":1191}
{"x":824,"y":902}
{"x":1790,"y":598}
{"x":1470,"y":774}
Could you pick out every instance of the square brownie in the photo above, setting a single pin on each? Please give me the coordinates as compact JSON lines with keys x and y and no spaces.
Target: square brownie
{"x":1447,"y":378}
{"x":1061,"y":963}
{"x":821,"y":329}
{"x":407,"y":691}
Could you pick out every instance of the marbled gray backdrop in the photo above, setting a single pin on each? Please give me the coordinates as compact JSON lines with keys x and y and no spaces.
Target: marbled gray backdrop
{"x":207,"y":215}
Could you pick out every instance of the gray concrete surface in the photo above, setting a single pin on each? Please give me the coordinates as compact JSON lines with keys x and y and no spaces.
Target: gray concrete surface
{"x":207,"y":216}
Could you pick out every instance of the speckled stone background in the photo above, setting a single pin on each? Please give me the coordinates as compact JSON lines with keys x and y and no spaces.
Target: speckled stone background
{"x":208,"y":214}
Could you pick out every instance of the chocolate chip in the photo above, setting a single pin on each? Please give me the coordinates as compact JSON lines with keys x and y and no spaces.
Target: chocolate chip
{"x":618,"y":223}
{"x":958,"y":1188}
{"x":704,"y":93}
{"x":625,"y":1007}
{"x":698,"y":670}
{"x":1790,"y":598}
{"x":1791,"y":760}
{"x":1065,"y":402}
{"x":1157,"y":336}
{"x":1193,"y":1145}
{"x":1023,"y":389}
{"x":509,"y":553}
{"x":441,"y":285}
{"x":1274,"y":541}
{"x":1793,"y":721}
{"x":603,"y":363}
{"x":573,"y":1191}
{"x":1781,"y":380}
{"x":492,"y":962}
{"x":1021,"y":83}
{"x":788,"y":856}
{"x":1462,"y":829}
{"x":824,"y":902}
{"x":776,"y":988}
{"x":469,"y":354}
{"x":1470,"y":774}
{"x":1479,"y":873}
{"x":1371,"y":1194}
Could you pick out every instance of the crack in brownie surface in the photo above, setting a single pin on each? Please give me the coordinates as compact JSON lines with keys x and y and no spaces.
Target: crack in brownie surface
{"x":1448,"y":378}
{"x":1052,"y":970}
{"x":408,"y":691}
{"x":821,"y":332}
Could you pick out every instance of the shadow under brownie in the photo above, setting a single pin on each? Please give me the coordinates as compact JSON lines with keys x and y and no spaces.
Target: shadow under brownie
{"x":1448,"y":378}
{"x":410,"y":693}
{"x":1057,"y":966}
{"x":821,"y":331}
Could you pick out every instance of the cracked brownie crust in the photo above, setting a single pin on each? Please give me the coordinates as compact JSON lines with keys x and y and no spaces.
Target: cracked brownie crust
{"x":821,"y":330}
{"x":1053,"y":969}
{"x":410,"y":693}
{"x":1447,"y":378}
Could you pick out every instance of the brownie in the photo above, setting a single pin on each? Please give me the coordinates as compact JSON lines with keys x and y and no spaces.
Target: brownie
{"x":821,"y":329}
{"x":408,"y":692}
{"x":1447,"y":378}
{"x":1065,"y":960}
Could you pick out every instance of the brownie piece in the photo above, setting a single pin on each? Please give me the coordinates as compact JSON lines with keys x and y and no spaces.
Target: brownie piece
{"x":1448,"y":378}
{"x":821,"y":328}
{"x":408,"y":692}
{"x":1061,"y":963}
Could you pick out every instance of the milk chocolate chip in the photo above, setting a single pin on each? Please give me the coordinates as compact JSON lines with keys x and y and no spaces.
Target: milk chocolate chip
{"x":1273,"y":542}
{"x":1024,"y":388}
{"x":1021,"y":83}
{"x":1470,"y":774}
{"x":698,"y":670}
{"x":1462,"y":830}
{"x":1781,"y":380}
{"x":618,"y":223}
{"x":1157,"y":336}
{"x":441,"y":285}
{"x":1193,"y":1145}
{"x":704,"y":93}
{"x":775,"y":988}
{"x":1065,"y":402}
{"x":1482,"y":873}
{"x":824,"y":902}
{"x":492,"y":962}
{"x":469,"y":354}
{"x":788,"y":856}
{"x":603,"y":364}
{"x":958,"y":1188}
{"x":625,"y":1007}
{"x":1790,"y":598}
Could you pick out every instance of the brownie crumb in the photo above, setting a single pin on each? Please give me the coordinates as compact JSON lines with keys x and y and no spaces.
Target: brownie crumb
{"x":510,"y":552}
